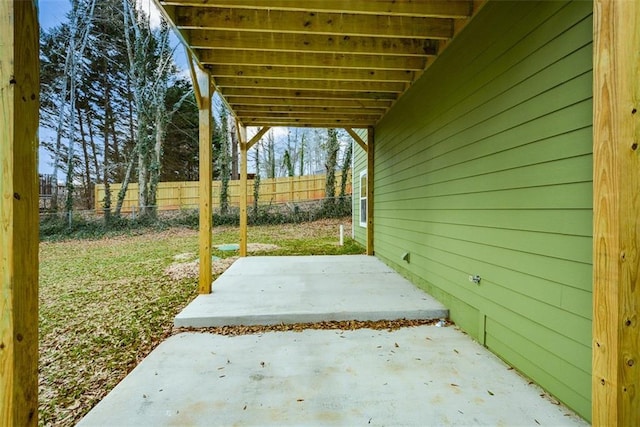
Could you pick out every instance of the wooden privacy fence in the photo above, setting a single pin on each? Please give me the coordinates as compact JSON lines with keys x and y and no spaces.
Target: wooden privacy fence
{"x":184,"y":195}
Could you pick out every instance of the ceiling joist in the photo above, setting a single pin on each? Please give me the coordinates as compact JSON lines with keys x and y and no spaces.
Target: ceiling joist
{"x":255,"y":82}
{"x":431,"y":8}
{"x":310,"y":60}
{"x":279,"y":21}
{"x":353,"y":103}
{"x":279,"y":72}
{"x":238,"y":40}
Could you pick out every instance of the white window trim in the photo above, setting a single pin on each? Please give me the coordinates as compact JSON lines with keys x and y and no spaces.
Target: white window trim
{"x":361,"y":198}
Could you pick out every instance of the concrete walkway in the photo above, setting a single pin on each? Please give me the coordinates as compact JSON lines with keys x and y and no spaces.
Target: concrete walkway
{"x":272,"y":290}
{"x":421,"y":376}
{"x":418,"y":376}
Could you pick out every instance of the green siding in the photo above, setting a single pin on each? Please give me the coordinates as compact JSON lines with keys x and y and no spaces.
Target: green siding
{"x":359,"y":164}
{"x":485,"y":167}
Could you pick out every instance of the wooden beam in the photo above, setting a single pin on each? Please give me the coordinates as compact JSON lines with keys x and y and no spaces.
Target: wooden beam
{"x":349,"y":103}
{"x":434,"y":8}
{"x":309,"y":94}
{"x":208,"y":39}
{"x":19,"y":201}
{"x":357,"y":138}
{"x":257,"y":136}
{"x":616,"y":228}
{"x":311,"y":59}
{"x":205,"y":181}
{"x":370,"y":192}
{"x":335,"y":85}
{"x":317,"y":110}
{"x":311,"y":73}
{"x":312,"y":22}
{"x":328,"y":122}
{"x":242,"y":141}
{"x":298,"y":115}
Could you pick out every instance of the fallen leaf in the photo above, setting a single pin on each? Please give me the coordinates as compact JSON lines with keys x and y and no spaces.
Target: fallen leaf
{"x":490,"y":392}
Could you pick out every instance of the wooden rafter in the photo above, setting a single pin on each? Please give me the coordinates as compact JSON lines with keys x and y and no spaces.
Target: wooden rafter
{"x":234,"y":40}
{"x":282,"y":21}
{"x":308,"y":94}
{"x":261,"y":110}
{"x":311,"y":60}
{"x":433,"y":8}
{"x":366,"y":86}
{"x":283,"y":72}
{"x":350,"y":103}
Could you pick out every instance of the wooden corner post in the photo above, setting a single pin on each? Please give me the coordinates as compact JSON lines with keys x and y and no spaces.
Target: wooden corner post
{"x":370,"y":173}
{"x":616,"y":228}
{"x":203,"y":92}
{"x":19,"y":103}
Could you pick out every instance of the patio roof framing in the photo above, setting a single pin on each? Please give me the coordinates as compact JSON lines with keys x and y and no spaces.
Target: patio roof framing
{"x":356,"y":54}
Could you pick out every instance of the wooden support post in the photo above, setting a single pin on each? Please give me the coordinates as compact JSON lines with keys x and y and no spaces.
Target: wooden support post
{"x":616,"y":228}
{"x":370,"y":172}
{"x":19,"y":102}
{"x":202,"y":89}
{"x":242,"y":141}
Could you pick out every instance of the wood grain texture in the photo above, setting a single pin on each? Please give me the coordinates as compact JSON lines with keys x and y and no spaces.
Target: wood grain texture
{"x":616,"y":243}
{"x":318,"y":43}
{"x":437,"y":8}
{"x":19,"y":99}
{"x":311,"y":22}
{"x":205,"y":169}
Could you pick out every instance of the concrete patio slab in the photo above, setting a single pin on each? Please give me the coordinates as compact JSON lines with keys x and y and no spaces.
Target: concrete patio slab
{"x":420,"y":376}
{"x":299,"y":289}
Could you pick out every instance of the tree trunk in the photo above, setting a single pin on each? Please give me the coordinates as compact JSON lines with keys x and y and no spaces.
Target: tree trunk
{"x":234,"y":153}
{"x":330,"y":166}
{"x":225,"y":169}
{"x":256,"y":183}
{"x":87,"y":172}
{"x":94,"y":150}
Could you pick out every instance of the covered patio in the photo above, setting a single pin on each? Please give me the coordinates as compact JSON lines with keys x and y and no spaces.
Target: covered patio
{"x":348,"y":64}
{"x":424,"y":375}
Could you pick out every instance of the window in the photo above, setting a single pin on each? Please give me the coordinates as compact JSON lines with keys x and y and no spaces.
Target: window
{"x":363,"y":198}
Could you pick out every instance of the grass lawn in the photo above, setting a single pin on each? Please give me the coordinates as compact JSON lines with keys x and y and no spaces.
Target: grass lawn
{"x":105,"y":304}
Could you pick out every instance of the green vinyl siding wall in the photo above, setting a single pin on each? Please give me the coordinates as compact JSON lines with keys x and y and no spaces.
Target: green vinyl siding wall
{"x":359,"y":165}
{"x":484,"y":167}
